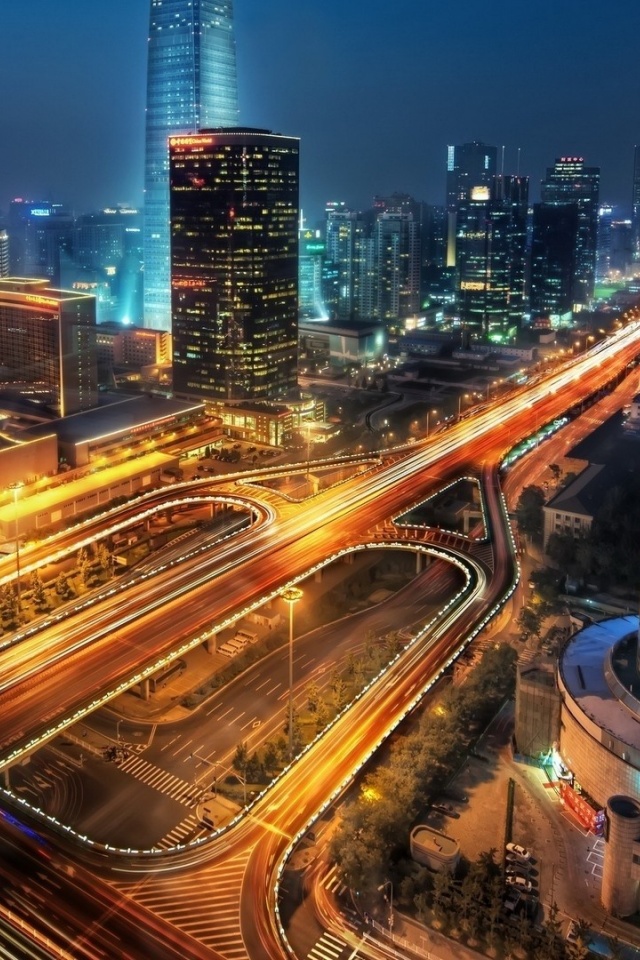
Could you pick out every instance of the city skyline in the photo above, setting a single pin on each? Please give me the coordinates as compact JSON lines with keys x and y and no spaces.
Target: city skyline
{"x":521,"y":86}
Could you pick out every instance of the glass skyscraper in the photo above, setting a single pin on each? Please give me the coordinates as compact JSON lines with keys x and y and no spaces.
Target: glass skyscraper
{"x":191,"y":85}
{"x":234,"y":264}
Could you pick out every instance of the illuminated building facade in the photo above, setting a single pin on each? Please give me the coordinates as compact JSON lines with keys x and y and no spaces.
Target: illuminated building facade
{"x":397,"y":252}
{"x":569,"y":181}
{"x":234,"y":264}
{"x":491,"y":249}
{"x":48,"y":341}
{"x":191,"y":85}
{"x":311,"y":263}
{"x":468,"y":165}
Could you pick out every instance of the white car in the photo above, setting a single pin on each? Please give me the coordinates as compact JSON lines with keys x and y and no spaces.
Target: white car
{"x":520,"y":883}
{"x":519,"y":851}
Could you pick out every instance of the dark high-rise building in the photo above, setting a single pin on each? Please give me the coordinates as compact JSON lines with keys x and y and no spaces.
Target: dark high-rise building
{"x":4,"y":253}
{"x":569,"y":181}
{"x":603,"y":253}
{"x":40,"y":235}
{"x":234,"y":264}
{"x":468,"y":165}
{"x":191,"y":85}
{"x":635,"y":203}
{"x":491,"y":249}
{"x":48,"y":342}
{"x":553,"y":258}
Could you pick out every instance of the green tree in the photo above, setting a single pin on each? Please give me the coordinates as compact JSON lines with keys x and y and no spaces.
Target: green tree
{"x":529,"y":511}
{"x":38,"y":591}
{"x":322,"y":716}
{"x":556,"y":471}
{"x":578,"y":948}
{"x":270,"y":757}
{"x":241,"y":758}
{"x":442,"y":894}
{"x":63,"y":587}
{"x":530,"y":623}
{"x":313,"y":696}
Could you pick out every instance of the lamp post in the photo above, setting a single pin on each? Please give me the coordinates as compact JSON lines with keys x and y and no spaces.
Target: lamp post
{"x":16,"y":488}
{"x":463,"y":396}
{"x":429,"y":412}
{"x":383,"y":886}
{"x":291,"y":595}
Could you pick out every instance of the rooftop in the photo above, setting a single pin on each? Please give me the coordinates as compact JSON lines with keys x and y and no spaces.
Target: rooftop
{"x":112,"y":418}
{"x":582,"y":670}
{"x":434,"y":841}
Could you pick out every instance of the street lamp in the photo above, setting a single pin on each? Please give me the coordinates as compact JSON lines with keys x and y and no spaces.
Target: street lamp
{"x":16,"y":488}
{"x":429,"y":412}
{"x":383,"y":886}
{"x":463,"y":396}
{"x":291,"y":595}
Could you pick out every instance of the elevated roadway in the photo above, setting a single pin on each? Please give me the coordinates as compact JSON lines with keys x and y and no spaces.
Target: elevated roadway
{"x":79,"y":667}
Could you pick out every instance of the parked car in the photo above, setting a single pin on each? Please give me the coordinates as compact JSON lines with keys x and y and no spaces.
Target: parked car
{"x":524,"y":866}
{"x":446,"y":809}
{"x":517,"y":870}
{"x":519,"y":851}
{"x":520,"y":883}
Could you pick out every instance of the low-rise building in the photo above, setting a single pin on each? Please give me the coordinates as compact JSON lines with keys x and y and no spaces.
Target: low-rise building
{"x":434,"y":849}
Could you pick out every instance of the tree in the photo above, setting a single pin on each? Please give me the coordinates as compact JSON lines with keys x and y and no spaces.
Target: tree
{"x":442,"y":894}
{"x":529,"y":511}
{"x":313,"y":696}
{"x":322,"y":716}
{"x":556,"y":470}
{"x":578,"y":947}
{"x":104,"y":558}
{"x":38,"y":591}
{"x":270,"y":757}
{"x":241,"y":758}
{"x":530,"y":623}
{"x":63,"y":587}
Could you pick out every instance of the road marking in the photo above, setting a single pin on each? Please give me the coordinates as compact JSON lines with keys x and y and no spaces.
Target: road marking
{"x":263,"y":684}
{"x":249,"y":723}
{"x":239,"y":717}
{"x":269,"y":692}
{"x":171,"y":742}
{"x":223,"y":715}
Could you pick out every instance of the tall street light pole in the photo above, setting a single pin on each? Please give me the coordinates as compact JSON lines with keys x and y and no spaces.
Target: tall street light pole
{"x":291,"y":595}
{"x":429,"y":412}
{"x":16,"y":488}
{"x":383,"y":886}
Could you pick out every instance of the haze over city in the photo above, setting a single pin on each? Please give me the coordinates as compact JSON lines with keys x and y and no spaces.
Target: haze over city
{"x":375,"y":92}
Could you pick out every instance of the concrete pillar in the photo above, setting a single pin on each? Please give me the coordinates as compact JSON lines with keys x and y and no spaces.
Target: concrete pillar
{"x":5,"y":778}
{"x":211,"y":643}
{"x":419,"y":558}
{"x":144,"y":689}
{"x":318,"y":576}
{"x":620,"y":874}
{"x":349,"y":558}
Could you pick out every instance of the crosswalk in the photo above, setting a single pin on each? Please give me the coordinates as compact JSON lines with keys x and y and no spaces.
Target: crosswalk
{"x":159,"y":779}
{"x":327,"y":947}
{"x":203,"y":904}
{"x":189,"y":829}
{"x":333,"y":883}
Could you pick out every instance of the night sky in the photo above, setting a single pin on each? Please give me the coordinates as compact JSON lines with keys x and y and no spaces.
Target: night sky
{"x":375,"y":90}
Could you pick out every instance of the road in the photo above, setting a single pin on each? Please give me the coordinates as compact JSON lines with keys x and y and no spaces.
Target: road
{"x":333,"y":520}
{"x":71,"y":662}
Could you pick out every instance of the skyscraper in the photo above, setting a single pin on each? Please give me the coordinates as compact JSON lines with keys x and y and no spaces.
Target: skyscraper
{"x":635,"y":203}
{"x":234,"y":264}
{"x":191,"y":85}
{"x":468,"y":165}
{"x":491,"y":243}
{"x":569,"y":181}
{"x":49,"y":343}
{"x":553,"y":259}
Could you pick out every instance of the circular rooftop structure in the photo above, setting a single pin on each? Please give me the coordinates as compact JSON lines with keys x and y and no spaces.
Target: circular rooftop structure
{"x":600,"y":720}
